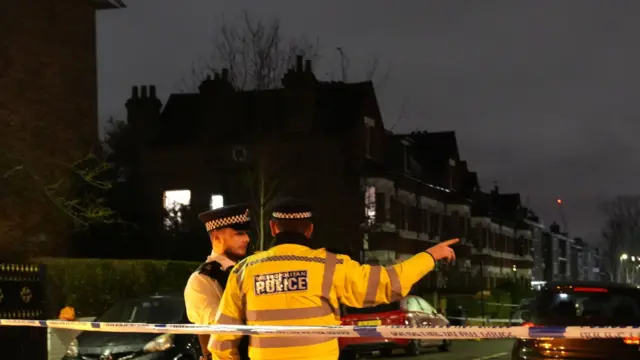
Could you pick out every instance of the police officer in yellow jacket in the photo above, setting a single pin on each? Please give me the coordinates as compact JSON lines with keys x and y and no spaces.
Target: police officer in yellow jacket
{"x":292,"y":284}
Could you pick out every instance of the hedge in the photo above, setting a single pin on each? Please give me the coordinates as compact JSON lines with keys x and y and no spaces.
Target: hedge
{"x":473,"y":304}
{"x":91,"y":286}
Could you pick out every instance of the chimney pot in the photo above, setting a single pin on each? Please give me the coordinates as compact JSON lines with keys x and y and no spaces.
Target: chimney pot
{"x":216,"y":75}
{"x":225,"y":74}
{"x":299,"y":63}
{"x":152,"y":91}
{"x":134,"y":92}
{"x":307,"y":66}
{"x":143,"y":92}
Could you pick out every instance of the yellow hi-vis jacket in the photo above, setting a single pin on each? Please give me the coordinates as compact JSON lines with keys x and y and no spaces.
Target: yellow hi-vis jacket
{"x":292,"y":284}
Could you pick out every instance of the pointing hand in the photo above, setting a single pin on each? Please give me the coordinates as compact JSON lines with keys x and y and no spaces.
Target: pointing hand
{"x":443,"y":251}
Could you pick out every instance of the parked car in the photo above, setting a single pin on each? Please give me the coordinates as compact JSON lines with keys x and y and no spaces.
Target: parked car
{"x":157,"y":309}
{"x":412,"y":310}
{"x":581,"y":304}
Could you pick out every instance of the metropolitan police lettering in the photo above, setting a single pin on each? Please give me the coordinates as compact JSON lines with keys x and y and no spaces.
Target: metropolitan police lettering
{"x":281,"y":282}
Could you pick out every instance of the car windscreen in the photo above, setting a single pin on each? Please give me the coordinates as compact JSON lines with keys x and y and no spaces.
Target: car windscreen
{"x":160,"y":310}
{"x":588,"y":306}
{"x":374,"y":309}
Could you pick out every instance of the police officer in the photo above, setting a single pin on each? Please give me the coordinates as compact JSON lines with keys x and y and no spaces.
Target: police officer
{"x":292,"y":284}
{"x":227,"y":228}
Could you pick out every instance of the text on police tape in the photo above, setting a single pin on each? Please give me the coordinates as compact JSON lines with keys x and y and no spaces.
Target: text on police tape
{"x":281,"y":282}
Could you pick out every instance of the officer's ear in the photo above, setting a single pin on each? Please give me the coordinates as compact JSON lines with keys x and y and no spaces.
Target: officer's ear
{"x":274,"y":227}
{"x":309,"y":230}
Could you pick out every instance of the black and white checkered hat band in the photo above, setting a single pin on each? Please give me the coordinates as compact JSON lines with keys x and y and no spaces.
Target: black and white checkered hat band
{"x":299,"y":215}
{"x":223,"y":222}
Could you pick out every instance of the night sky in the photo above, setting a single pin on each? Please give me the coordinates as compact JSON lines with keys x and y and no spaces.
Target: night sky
{"x":542,"y":94}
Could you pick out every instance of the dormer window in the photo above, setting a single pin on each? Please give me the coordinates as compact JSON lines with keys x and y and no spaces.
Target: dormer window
{"x":369,"y":125}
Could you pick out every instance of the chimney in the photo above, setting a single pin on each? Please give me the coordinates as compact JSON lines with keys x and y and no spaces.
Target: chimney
{"x":299,"y":63}
{"x":554,"y":228}
{"x":307,"y":65}
{"x":143,"y":109}
{"x":217,"y":85}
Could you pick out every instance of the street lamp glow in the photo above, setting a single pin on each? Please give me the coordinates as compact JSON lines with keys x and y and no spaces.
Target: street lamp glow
{"x":624,"y":257}
{"x":633,"y":258}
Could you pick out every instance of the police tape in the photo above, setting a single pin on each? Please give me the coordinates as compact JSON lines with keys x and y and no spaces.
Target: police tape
{"x":407,"y":332}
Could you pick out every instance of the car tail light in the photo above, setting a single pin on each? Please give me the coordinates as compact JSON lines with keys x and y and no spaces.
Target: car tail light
{"x":392,"y":320}
{"x":348,"y":322}
{"x":528,"y":324}
{"x":407,"y":320}
{"x":631,"y":340}
{"x":590,"y":289}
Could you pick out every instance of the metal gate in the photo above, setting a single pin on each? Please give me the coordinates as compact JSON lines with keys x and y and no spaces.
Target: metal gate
{"x":22,"y":297}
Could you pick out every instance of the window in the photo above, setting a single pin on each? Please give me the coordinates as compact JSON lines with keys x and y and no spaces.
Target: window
{"x":426,"y":307}
{"x":394,"y":306}
{"x":381,"y":209}
{"x":173,"y":201}
{"x":370,"y":204}
{"x":151,"y":310}
{"x":369,"y":124}
{"x":239,"y":153}
{"x":217,"y":201}
{"x":413,"y":304}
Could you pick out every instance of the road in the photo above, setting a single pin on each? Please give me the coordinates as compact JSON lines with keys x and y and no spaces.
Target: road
{"x":462,"y":350}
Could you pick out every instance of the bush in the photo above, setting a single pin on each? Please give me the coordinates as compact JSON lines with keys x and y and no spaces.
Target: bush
{"x":493,"y":304}
{"x":91,"y":286}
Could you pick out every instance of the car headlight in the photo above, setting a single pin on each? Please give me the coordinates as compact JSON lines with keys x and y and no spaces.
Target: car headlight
{"x":161,"y":343}
{"x":72,"y":349}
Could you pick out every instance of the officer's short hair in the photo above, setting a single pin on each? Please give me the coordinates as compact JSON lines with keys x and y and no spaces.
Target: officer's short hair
{"x":292,"y":215}
{"x":297,"y":225}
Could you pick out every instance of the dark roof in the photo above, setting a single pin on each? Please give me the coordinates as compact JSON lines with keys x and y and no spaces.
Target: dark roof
{"x":502,"y":207}
{"x":336,"y":103}
{"x":436,"y":146}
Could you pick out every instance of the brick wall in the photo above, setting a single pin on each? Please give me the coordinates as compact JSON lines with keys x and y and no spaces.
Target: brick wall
{"x":48,"y":97}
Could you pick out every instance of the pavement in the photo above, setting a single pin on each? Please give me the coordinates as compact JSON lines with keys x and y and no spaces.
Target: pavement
{"x":461,"y":350}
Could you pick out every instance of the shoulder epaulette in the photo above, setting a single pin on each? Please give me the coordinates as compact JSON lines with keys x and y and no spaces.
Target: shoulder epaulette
{"x":213,"y":269}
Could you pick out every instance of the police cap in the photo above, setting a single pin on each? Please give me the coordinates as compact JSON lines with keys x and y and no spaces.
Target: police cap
{"x":291,"y":209}
{"x":233,"y":216}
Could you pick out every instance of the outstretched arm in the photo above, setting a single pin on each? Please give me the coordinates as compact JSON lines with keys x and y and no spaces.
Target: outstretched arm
{"x":371,"y":285}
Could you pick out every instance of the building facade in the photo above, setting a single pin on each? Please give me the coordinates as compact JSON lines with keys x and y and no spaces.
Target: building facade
{"x":48,"y":97}
{"x":378,"y":196}
{"x":557,"y":256}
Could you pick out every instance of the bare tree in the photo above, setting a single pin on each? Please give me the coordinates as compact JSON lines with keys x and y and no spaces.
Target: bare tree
{"x":256,"y":53}
{"x":621,"y":230}
{"x":52,"y":195}
{"x":265,"y":181}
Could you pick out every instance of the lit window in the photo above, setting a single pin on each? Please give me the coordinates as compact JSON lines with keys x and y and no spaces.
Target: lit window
{"x":370,"y":204}
{"x":173,"y":201}
{"x":217,"y":201}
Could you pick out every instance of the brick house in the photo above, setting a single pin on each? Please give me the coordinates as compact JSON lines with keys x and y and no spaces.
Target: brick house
{"x":378,"y":196}
{"x":48,"y":97}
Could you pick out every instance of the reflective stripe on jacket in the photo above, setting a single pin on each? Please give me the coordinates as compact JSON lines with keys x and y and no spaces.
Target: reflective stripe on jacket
{"x":292,"y":284}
